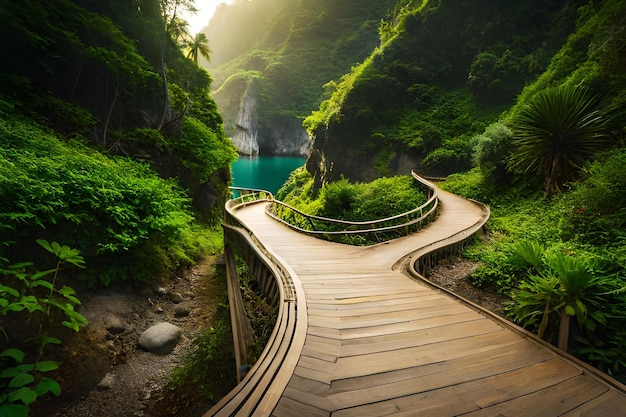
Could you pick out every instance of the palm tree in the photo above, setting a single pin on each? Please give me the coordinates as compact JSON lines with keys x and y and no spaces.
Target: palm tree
{"x":199,"y":45}
{"x":179,"y":30}
{"x":556,"y":134}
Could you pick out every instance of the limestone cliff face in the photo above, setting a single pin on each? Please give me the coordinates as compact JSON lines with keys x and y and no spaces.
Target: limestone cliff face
{"x":284,"y":136}
{"x":330,"y":160}
{"x":254,"y":132}
{"x":246,"y":126}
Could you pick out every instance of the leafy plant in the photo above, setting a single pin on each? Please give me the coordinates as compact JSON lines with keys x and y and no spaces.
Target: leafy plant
{"x":34,"y":296}
{"x":556,"y":133}
{"x":565,"y":286}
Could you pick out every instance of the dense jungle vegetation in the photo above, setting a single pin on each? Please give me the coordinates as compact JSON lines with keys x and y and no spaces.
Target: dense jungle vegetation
{"x":521,"y":108}
{"x":113,"y":161}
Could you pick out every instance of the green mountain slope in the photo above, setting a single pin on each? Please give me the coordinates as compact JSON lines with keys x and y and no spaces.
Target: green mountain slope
{"x":444,"y":71}
{"x":281,"y":53}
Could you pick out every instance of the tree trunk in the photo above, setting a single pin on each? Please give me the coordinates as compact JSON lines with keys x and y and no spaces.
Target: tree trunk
{"x":108,"y":119}
{"x":166,"y":101}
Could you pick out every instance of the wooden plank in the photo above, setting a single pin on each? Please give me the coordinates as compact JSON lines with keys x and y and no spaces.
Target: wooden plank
{"x":287,"y":407}
{"x":611,"y":403}
{"x":404,"y":358}
{"x":503,"y":387}
{"x":549,"y":402}
{"x":353,"y":347}
{"x":390,"y":387}
{"x":382,"y":306}
{"x":409,"y":325}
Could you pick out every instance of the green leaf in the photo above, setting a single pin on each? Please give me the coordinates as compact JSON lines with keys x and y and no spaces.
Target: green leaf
{"x":16,"y":354}
{"x":44,"y":244}
{"x":47,"y":340}
{"x":68,"y":293}
{"x":42,"y":283}
{"x":9,"y":290}
{"x":14,"y":410}
{"x":599,"y":317}
{"x":41,"y":274}
{"x":47,"y":385}
{"x":56,"y":249}
{"x":16,"y":370}
{"x":569,"y":310}
{"x":46,"y":366}
{"x":20,"y":265}
{"x":25,"y":395}
{"x":21,"y":380}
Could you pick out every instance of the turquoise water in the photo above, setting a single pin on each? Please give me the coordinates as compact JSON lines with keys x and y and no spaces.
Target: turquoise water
{"x":264,"y":172}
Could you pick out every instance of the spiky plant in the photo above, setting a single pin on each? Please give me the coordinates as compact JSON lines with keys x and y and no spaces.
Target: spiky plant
{"x":556,"y":133}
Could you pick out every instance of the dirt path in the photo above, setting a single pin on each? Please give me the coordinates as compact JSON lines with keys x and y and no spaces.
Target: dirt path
{"x":112,"y":375}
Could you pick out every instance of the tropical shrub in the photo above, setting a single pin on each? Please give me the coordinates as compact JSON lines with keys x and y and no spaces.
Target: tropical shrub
{"x":556,"y":133}
{"x":202,"y":151}
{"x":563,"y":287}
{"x":491,"y":149}
{"x":114,"y":210}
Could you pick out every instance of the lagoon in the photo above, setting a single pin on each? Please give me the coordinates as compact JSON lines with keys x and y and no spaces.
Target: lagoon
{"x":264,"y":172}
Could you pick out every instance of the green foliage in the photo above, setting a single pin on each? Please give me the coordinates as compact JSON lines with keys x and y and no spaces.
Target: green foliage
{"x":209,"y":367}
{"x":563,"y":256}
{"x":564,"y":285}
{"x":491,"y":149}
{"x":556,"y":134}
{"x":383,"y":197}
{"x":29,"y":297}
{"x":123,"y":211}
{"x":594,"y":209}
{"x":202,"y":151}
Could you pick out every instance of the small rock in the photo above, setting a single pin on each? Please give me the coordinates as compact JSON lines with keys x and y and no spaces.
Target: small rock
{"x":160,"y":338}
{"x":183,"y":309}
{"x":115,"y":324}
{"x":106,"y":382}
{"x":176,"y":297}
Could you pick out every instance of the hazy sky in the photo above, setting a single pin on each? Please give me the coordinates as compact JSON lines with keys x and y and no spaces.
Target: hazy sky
{"x":205,"y":11}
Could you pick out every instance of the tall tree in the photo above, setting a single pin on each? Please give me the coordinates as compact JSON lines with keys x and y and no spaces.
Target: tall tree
{"x":169,"y":13}
{"x":198,"y":46}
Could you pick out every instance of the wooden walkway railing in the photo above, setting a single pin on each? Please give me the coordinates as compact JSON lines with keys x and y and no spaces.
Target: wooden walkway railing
{"x":398,"y":225}
{"x":359,"y":337}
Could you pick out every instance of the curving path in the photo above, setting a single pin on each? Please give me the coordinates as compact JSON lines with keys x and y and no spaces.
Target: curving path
{"x":372,"y":341}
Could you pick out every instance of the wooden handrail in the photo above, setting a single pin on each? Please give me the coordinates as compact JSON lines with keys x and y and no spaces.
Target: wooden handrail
{"x":409,"y":221}
{"x":265,"y":381}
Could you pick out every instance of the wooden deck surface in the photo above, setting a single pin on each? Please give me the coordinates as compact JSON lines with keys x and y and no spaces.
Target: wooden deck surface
{"x":380,"y":343}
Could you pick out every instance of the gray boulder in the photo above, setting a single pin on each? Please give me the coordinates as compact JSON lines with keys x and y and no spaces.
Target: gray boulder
{"x":160,"y":338}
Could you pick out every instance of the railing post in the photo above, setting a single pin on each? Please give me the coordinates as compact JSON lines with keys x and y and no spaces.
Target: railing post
{"x":242,"y":331}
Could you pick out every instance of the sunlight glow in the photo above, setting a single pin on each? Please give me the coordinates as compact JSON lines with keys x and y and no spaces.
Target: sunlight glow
{"x":205,"y":11}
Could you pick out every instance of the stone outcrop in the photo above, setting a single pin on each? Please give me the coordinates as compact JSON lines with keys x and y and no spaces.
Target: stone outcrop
{"x":160,"y":338}
{"x":251,"y":129}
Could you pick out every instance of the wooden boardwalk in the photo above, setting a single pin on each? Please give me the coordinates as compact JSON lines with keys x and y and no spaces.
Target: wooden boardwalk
{"x":373,"y":341}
